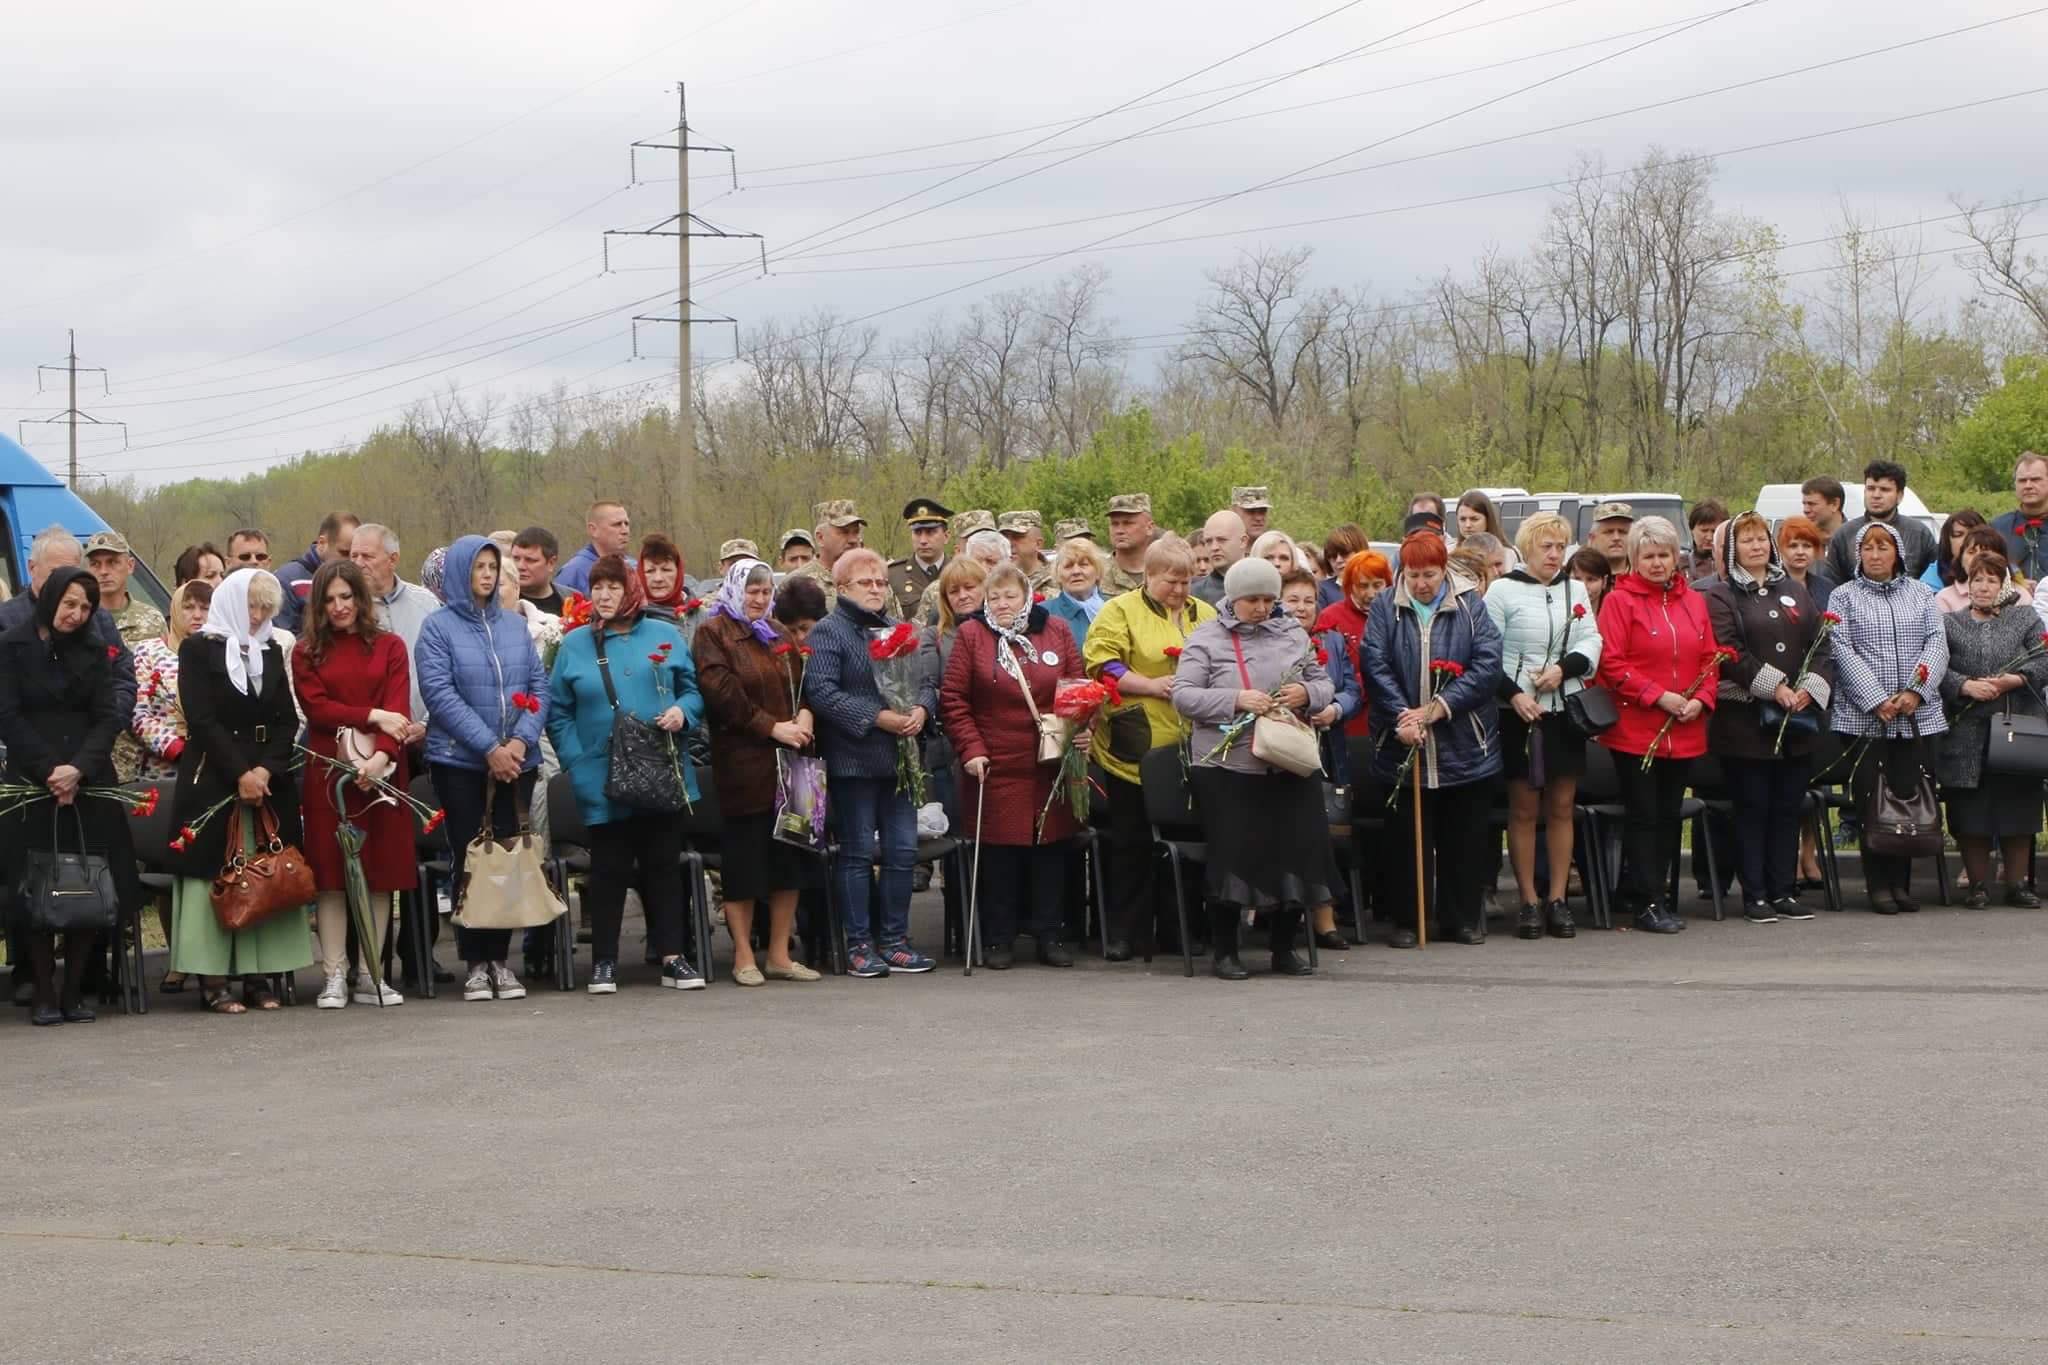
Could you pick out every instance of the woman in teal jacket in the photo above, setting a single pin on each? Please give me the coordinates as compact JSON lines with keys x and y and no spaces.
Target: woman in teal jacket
{"x":655,"y":681}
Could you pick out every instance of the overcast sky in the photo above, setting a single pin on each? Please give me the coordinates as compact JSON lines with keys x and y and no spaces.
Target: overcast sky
{"x":276,"y":226}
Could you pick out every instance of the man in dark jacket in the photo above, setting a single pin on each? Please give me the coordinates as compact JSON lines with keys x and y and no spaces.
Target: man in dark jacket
{"x":329,"y":544}
{"x":2024,"y":529}
{"x":1884,"y":483}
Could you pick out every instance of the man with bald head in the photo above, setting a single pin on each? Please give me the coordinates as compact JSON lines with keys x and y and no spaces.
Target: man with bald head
{"x":1227,"y":540}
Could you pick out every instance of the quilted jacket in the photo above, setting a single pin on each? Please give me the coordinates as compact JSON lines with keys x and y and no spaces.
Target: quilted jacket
{"x":468,"y":663}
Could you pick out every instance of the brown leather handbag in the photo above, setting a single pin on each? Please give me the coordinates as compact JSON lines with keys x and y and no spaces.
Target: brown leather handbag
{"x":270,"y":876}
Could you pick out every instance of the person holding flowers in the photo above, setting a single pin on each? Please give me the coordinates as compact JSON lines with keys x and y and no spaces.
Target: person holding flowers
{"x":352,"y":674}
{"x":1267,"y":834}
{"x":1432,"y":677}
{"x":1001,"y":687}
{"x":1136,"y":642}
{"x":238,"y":706}
{"x":1891,"y":655}
{"x":1658,"y":658}
{"x":1550,"y":643}
{"x":1997,"y":664}
{"x":1769,"y":706}
{"x":483,"y":747}
{"x":58,"y":719}
{"x":626,"y":663}
{"x":750,"y":669}
{"x":869,"y":746}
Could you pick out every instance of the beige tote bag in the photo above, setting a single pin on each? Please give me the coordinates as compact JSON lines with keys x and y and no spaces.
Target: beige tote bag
{"x":504,"y":881}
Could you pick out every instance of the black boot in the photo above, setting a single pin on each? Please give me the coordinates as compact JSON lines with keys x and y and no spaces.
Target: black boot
{"x":1560,"y":915}
{"x":1879,"y":889}
{"x":1280,"y":931}
{"x":1223,"y":921}
{"x":1529,"y":921}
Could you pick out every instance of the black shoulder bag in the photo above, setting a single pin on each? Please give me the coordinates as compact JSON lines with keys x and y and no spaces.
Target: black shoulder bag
{"x":68,"y":893}
{"x":2017,"y":744}
{"x":1590,"y":710}
{"x":1902,"y":825}
{"x":646,"y":763}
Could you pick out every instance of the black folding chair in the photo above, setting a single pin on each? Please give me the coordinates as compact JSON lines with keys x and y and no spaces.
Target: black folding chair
{"x":150,"y":836}
{"x":435,"y":868}
{"x":702,"y":827}
{"x":568,"y":856}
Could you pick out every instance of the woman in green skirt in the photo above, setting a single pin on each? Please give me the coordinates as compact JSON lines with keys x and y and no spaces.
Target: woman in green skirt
{"x":238,"y":710}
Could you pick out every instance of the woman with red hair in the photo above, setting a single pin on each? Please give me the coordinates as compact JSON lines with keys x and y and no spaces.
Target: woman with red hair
{"x":1362,"y":577}
{"x":1432,"y":675}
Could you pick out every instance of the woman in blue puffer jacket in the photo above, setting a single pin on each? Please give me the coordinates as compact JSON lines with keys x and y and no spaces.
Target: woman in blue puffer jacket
{"x":1432,"y":679}
{"x":486,"y":696}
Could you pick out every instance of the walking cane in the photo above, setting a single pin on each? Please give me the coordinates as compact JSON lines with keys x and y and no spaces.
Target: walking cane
{"x":1421,"y":895}
{"x":974,"y":877}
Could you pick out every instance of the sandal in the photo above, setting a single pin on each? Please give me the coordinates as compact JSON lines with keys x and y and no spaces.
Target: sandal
{"x":262,"y":998}
{"x":220,"y":1000}
{"x":173,"y":983}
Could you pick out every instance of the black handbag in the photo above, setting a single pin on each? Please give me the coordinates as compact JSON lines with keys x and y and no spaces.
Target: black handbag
{"x":1591,"y":711}
{"x":68,"y":893}
{"x":2017,"y":745}
{"x":646,"y":764}
{"x":1770,"y":715}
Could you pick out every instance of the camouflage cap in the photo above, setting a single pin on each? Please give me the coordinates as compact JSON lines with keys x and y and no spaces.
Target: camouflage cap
{"x":1130,"y":505}
{"x":967,"y":523}
{"x":1073,"y":528}
{"x":1020,"y":523}
{"x":107,"y":542}
{"x":839,"y":513}
{"x":1612,"y":511}
{"x":1252,"y":498}
{"x":796,"y":535}
{"x":738,"y":548}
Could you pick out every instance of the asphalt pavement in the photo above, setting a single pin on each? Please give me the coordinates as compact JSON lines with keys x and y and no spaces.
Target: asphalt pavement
{"x":1814,"y":1141}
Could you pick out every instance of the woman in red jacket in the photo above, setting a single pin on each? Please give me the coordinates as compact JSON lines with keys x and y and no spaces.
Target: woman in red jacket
{"x":351,"y":672}
{"x":1362,"y":576}
{"x":1008,"y":645}
{"x":1658,"y":657}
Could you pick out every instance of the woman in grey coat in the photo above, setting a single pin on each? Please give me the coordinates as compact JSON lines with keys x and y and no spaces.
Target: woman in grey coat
{"x":1996,"y":664}
{"x":1267,"y":832}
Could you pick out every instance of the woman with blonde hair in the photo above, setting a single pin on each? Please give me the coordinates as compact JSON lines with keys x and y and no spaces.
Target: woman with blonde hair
{"x":1078,"y":569}
{"x":1277,"y":548}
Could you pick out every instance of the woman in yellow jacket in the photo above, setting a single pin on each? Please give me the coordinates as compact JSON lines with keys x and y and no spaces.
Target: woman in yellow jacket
{"x":1136,"y":640}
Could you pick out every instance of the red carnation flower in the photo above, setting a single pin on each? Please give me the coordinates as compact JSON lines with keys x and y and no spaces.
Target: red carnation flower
{"x":434,"y":822}
{"x":113,"y":651}
{"x":1920,"y":675}
{"x":177,"y":845}
{"x":1116,"y":693}
{"x":1449,"y":668}
{"x":1831,"y":618}
{"x":1322,"y":655}
{"x":1173,"y":651}
{"x":1579,"y":612}
{"x":657,"y":658}
{"x":783,"y":648}
{"x":187,"y":834}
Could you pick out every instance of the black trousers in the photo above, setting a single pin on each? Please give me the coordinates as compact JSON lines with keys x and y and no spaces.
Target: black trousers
{"x":1649,"y":832}
{"x":461,"y":791}
{"x":1132,"y":863}
{"x":646,"y":852}
{"x":1898,"y":763}
{"x":1769,"y":795}
{"x":1022,"y":882}
{"x":1457,"y":855}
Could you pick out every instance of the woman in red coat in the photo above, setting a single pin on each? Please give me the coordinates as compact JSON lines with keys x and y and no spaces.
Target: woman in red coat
{"x":1657,"y":656}
{"x":350,"y":671}
{"x":996,"y":740}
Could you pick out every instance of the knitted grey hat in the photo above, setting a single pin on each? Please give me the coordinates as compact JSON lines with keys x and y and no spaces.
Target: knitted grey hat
{"x":1250,"y":578}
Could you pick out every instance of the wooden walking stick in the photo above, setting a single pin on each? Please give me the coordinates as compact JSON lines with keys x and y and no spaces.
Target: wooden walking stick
{"x":974,"y":877}
{"x":1421,"y":895}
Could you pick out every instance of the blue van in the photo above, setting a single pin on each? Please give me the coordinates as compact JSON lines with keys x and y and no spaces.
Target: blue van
{"x":31,"y":497}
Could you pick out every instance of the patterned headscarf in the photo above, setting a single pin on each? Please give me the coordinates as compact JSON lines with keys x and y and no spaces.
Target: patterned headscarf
{"x":433,"y":570}
{"x":732,"y":600}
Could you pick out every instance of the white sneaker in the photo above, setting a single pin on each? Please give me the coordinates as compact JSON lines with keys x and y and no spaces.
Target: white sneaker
{"x":333,"y":995}
{"x":506,"y":984}
{"x":365,"y":996}
{"x":478,"y":986}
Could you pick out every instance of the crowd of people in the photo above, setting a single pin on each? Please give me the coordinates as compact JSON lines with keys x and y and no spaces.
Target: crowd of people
{"x":1433,"y":702}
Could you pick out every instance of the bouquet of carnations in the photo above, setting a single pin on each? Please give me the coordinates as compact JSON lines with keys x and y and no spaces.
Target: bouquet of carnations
{"x":1077,"y":702}
{"x":1442,"y":672}
{"x":895,"y":652}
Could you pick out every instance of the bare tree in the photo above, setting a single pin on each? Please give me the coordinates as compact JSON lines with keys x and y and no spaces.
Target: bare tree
{"x":1260,"y":328}
{"x":1080,"y":365}
{"x":1995,"y":261}
{"x":450,"y":437}
{"x":996,"y":372}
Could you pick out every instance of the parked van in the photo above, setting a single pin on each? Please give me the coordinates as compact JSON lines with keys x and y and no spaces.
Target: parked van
{"x":31,"y":497}
{"x":1777,"y":501}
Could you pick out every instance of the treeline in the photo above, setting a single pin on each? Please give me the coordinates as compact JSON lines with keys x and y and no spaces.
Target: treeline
{"x":1645,"y":339}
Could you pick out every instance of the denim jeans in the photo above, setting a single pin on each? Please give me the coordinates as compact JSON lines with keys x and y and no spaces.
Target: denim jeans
{"x":863,"y":807}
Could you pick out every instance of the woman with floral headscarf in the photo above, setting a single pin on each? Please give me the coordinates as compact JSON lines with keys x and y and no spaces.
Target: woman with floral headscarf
{"x":751,"y":672}
{"x":626,"y":663}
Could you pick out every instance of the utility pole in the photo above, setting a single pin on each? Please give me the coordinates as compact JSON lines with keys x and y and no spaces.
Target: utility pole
{"x":683,"y":227}
{"x":71,"y":416}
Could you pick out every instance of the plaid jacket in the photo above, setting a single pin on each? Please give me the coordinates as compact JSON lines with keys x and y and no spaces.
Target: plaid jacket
{"x":1891,"y":640}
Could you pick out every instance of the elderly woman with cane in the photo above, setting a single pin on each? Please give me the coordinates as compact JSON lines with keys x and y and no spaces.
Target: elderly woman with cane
{"x":1002,"y":678}
{"x":1432,"y":678}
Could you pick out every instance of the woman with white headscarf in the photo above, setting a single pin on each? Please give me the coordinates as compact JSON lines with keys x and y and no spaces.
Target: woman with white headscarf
{"x":239,"y":711}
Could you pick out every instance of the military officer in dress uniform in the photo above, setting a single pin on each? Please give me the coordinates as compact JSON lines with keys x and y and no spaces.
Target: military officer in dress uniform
{"x":910,"y":576}
{"x":1026,"y":533}
{"x":1130,"y":536}
{"x":964,"y":524}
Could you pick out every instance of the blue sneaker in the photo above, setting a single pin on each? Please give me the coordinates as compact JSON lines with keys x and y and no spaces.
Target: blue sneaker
{"x":861,"y":960}
{"x":904,"y":958}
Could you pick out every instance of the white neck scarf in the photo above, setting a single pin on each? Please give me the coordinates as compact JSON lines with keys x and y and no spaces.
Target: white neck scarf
{"x":227,"y":618}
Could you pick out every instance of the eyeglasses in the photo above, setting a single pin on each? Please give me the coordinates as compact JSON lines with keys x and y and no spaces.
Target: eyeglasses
{"x":867,"y":582}
{"x":253,"y":557}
